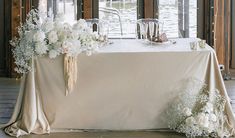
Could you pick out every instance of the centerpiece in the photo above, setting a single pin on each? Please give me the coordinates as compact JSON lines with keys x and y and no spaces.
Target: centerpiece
{"x":46,"y":35}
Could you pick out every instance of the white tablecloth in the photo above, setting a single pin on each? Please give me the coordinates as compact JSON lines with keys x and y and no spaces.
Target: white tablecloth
{"x":125,"y":86}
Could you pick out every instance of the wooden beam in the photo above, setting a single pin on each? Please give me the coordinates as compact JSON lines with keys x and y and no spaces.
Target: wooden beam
{"x":87,"y":7}
{"x":222,"y":31}
{"x":148,"y":8}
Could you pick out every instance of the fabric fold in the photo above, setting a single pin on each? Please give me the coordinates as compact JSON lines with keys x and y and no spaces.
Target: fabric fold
{"x":27,"y":122}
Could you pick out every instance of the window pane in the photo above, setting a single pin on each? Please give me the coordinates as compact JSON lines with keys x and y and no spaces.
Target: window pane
{"x":122,"y":16}
{"x":66,"y":7}
{"x":179,"y":16}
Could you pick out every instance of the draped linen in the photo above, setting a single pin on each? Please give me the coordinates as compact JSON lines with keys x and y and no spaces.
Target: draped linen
{"x":125,"y":86}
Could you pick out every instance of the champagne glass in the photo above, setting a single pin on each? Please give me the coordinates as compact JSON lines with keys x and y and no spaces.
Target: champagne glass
{"x":142,"y":30}
{"x":146,"y":30}
{"x":151,"y":30}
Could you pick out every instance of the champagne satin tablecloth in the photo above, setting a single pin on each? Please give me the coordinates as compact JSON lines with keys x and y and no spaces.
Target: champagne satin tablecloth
{"x":125,"y":86}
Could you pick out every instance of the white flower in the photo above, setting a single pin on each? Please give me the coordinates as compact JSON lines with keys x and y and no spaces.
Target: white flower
{"x":48,"y":26}
{"x":57,"y":45}
{"x":71,"y":47}
{"x":190,"y":121}
{"x":80,"y":25}
{"x":67,"y":27}
{"x":74,"y":35}
{"x":29,"y":35}
{"x":202,"y":120}
{"x":65,"y":46}
{"x":53,"y":53}
{"x":41,"y":48}
{"x":52,"y":37}
{"x":208,"y":107}
{"x":213,"y":117}
{"x":187,"y":111}
{"x":39,"y":36}
{"x":211,"y":128}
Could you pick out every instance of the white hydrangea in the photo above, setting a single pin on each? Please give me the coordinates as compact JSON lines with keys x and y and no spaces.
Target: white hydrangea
{"x":52,"y":37}
{"x":39,"y":36}
{"x":53,"y":53}
{"x":41,"y":48}
{"x":42,"y":35}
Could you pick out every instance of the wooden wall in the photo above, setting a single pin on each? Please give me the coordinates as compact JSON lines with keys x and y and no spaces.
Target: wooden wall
{"x":12,"y":13}
{"x":222,"y":29}
{"x":2,"y":47}
{"x":5,"y":35}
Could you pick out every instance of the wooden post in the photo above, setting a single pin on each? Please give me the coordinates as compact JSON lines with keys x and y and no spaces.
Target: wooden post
{"x":219,"y":31}
{"x":233,"y":35}
{"x":227,"y":40}
{"x":148,"y":9}
{"x":87,"y":6}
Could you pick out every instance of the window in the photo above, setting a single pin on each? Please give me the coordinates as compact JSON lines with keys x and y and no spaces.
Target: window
{"x":122,"y":17}
{"x":179,"y":16}
{"x":66,"y":7}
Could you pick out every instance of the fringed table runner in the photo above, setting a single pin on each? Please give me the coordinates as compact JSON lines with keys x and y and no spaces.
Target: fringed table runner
{"x":70,"y":73}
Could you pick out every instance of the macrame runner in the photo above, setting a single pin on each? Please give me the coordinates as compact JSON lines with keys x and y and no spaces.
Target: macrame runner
{"x":70,"y":73}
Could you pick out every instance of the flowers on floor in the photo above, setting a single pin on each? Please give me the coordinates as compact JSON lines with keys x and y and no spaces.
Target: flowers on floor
{"x":45,"y":35}
{"x":198,"y":112}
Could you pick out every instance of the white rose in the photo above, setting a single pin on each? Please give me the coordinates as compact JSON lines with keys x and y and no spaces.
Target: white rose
{"x":75,"y":49}
{"x":52,"y":37}
{"x":62,"y":35}
{"x":65,"y":46}
{"x":53,"y":53}
{"x":80,"y":25}
{"x":57,"y":45}
{"x":187,"y":111}
{"x":190,"y":121}
{"x":39,"y":36}
{"x":41,"y":48}
{"x":213,"y":117}
{"x":74,"y":35}
{"x":67,"y":27}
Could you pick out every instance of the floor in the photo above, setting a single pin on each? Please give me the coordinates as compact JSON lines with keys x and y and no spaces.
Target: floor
{"x":8,"y":94}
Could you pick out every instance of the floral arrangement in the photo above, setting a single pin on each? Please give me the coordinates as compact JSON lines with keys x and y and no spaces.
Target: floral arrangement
{"x":198,"y":112}
{"x":44,"y":35}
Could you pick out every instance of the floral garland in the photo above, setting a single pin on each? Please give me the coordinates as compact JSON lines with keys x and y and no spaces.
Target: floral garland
{"x":198,"y":112}
{"x":45,"y":35}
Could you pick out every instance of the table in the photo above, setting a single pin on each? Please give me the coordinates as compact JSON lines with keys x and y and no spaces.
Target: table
{"x":125,"y":86}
